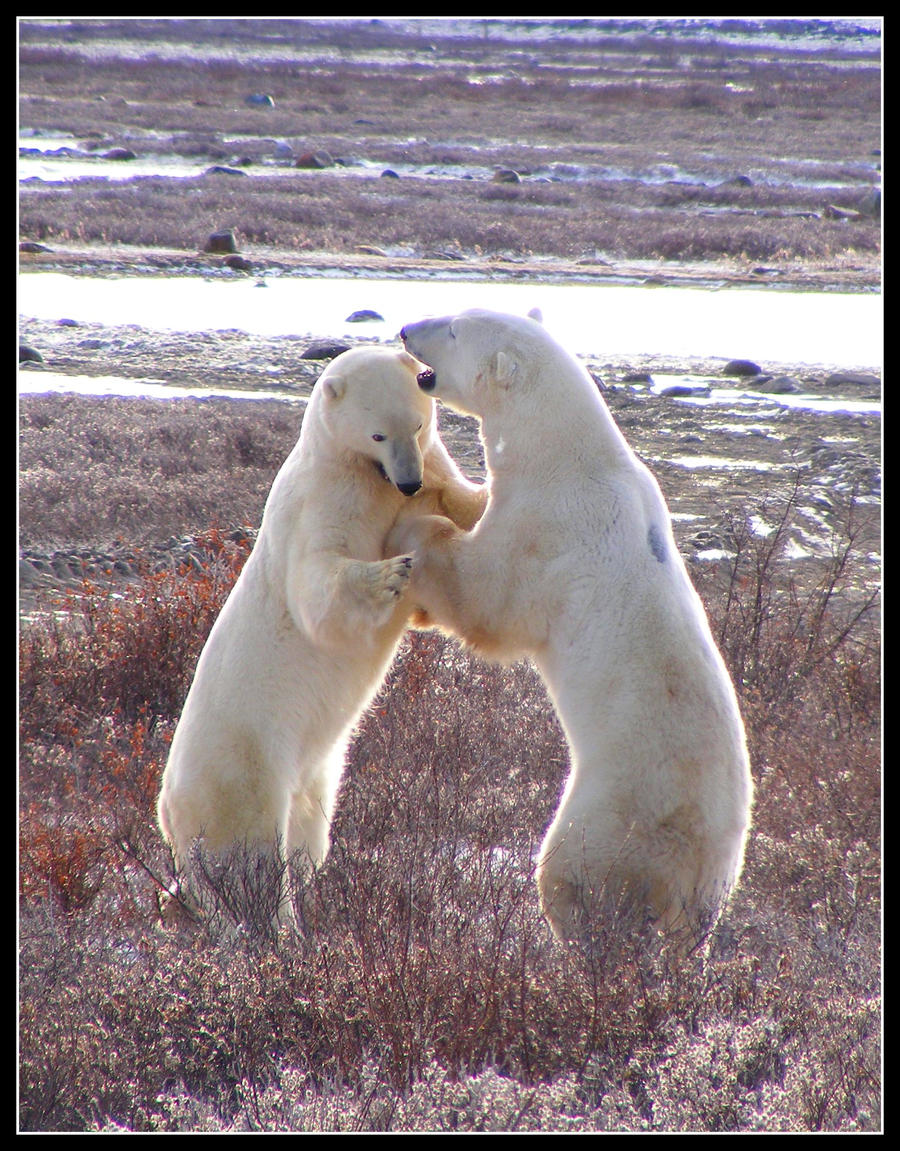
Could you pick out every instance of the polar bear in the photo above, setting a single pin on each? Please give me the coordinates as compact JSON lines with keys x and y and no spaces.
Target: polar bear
{"x":574,"y":565}
{"x":309,"y":629}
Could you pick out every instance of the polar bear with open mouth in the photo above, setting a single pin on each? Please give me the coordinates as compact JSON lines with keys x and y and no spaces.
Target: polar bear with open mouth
{"x":574,"y":565}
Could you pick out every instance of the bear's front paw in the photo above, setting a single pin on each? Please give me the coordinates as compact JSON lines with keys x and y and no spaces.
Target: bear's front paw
{"x":392,"y":579}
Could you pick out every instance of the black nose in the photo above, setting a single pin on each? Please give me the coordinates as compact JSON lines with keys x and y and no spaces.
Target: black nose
{"x":403,"y":334}
{"x":426,"y":380}
{"x":409,"y":489}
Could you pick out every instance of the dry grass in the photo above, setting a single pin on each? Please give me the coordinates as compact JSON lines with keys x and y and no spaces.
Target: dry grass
{"x":141,"y":478}
{"x":570,"y":118}
{"x":340,"y":214}
{"x":427,"y":992}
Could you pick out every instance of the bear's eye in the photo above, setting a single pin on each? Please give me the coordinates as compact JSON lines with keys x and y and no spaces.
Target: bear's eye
{"x":378,"y":437}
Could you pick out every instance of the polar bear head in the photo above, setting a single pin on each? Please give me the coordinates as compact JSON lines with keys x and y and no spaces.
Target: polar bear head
{"x":475,"y":356}
{"x":372,"y":407}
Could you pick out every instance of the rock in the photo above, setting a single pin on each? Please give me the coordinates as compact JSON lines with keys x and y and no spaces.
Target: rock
{"x":29,"y":355}
{"x":370,"y":250}
{"x":239,"y":263}
{"x":705,"y":539}
{"x":32,"y":246}
{"x":833,"y":212}
{"x":637,"y":378}
{"x":119,"y":154}
{"x":223,"y":170}
{"x":741,"y":368}
{"x":860,"y":379}
{"x":364,"y":315}
{"x":675,"y":390}
{"x":505,"y":176}
{"x":63,"y":570}
{"x":390,"y":174}
{"x":221,"y":242}
{"x":259,"y":100}
{"x":324,"y":350}
{"x":313,"y":160}
{"x":30,"y":576}
{"x":778,"y":385}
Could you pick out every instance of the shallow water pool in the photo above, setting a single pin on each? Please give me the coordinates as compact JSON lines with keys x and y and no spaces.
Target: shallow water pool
{"x":770,"y":326}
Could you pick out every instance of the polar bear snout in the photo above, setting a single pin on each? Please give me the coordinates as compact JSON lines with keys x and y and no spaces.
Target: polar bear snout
{"x":415,"y":338}
{"x":404,"y":467}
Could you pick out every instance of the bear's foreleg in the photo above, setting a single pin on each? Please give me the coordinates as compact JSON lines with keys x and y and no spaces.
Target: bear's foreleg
{"x":336,"y":597}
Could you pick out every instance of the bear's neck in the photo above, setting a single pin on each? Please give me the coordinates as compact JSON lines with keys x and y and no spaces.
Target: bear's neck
{"x":580,"y":423}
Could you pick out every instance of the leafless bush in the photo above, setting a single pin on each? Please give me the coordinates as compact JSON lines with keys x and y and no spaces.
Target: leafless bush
{"x":138,"y":477}
{"x":423,"y":989}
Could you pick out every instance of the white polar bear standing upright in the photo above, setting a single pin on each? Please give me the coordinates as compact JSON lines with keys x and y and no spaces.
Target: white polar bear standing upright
{"x":574,"y":564}
{"x":309,"y":629}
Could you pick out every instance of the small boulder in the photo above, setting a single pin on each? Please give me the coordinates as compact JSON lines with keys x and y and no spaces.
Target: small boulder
{"x":678,"y":390}
{"x":313,"y":160}
{"x":29,"y":355}
{"x":860,"y":379}
{"x":259,"y":100}
{"x":364,"y":315}
{"x":833,"y":212}
{"x":221,"y":242}
{"x":777,"y":385}
{"x":741,"y":368}
{"x":324,"y":350}
{"x":119,"y":154}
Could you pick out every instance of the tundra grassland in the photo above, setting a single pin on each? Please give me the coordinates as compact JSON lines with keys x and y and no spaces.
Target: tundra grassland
{"x":426,"y":992}
{"x":641,"y":148}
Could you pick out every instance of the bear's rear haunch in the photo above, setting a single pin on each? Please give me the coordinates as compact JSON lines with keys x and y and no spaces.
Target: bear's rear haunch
{"x":574,"y":565}
{"x":309,"y":630}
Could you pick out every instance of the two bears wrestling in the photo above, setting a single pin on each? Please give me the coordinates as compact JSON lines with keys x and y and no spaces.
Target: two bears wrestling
{"x":565,"y":557}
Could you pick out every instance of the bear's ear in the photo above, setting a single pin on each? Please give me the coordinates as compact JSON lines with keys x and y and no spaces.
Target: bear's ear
{"x":505,"y":368}
{"x":537,"y":315}
{"x":334,"y":386}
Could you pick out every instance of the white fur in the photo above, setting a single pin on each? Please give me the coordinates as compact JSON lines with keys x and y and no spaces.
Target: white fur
{"x":310,"y":628}
{"x":574,"y":565}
